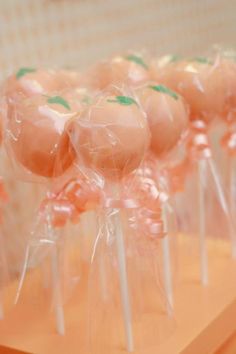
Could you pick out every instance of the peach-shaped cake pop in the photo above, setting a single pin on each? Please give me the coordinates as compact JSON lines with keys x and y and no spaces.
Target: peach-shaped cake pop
{"x":200,"y":83}
{"x":129,"y":70}
{"x":167,"y":116}
{"x":36,"y":133}
{"x":111,"y":136}
{"x":30,"y":81}
{"x":228,"y":73}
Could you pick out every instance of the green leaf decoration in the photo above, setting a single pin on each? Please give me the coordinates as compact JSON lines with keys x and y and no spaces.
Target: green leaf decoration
{"x":123,"y":100}
{"x":59,"y":100}
{"x":138,"y":60}
{"x":87,"y":100}
{"x":174,"y":58}
{"x":164,"y":89}
{"x":23,"y":71}
{"x":202,"y":60}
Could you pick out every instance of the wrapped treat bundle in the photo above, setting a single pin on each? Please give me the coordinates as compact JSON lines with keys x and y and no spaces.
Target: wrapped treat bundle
{"x":113,"y":155}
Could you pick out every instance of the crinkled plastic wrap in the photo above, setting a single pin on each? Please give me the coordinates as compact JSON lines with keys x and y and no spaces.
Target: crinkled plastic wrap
{"x":34,"y":117}
{"x":36,"y":106}
{"x":127,"y":303}
{"x":130,"y":69}
{"x":206,"y":85}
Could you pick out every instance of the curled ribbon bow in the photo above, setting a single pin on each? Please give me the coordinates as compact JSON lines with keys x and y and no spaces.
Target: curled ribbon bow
{"x":198,"y":141}
{"x":228,"y":141}
{"x":147,"y":219}
{"x":76,"y":197}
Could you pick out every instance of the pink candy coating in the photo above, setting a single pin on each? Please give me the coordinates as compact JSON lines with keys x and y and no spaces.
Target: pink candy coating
{"x":37,"y":137}
{"x":118,"y":71}
{"x":112,"y":136}
{"x":200,"y":83}
{"x":167,"y":117}
{"x":40,"y":81}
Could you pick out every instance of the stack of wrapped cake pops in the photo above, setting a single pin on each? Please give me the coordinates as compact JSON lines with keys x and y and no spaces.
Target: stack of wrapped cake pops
{"x":121,"y":140}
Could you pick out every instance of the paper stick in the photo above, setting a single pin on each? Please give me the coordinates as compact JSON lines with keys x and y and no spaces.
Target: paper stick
{"x":57,"y":291}
{"x":167,"y":263}
{"x":99,"y":222}
{"x":56,"y":279}
{"x":202,"y":221}
{"x":232,"y":186}
{"x":227,"y":208}
{"x":123,"y":277}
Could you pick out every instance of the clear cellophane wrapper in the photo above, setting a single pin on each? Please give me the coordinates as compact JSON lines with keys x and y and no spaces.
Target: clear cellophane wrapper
{"x":129,"y":69}
{"x":204,"y":82}
{"x":36,"y":174}
{"x":35,"y":106}
{"x":152,"y":317}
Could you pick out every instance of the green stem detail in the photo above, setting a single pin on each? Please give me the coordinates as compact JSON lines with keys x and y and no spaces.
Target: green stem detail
{"x":59,"y":100}
{"x":164,"y":89}
{"x":23,"y":71}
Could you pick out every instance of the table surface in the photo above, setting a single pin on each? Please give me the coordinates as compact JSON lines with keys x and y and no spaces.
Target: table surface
{"x":205,"y":316}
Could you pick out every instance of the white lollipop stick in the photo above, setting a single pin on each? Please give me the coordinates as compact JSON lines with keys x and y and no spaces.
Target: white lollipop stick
{"x":231,"y":183}
{"x":123,"y":278}
{"x":166,"y":263}
{"x":56,"y":285}
{"x":1,"y":292}
{"x":227,"y":208}
{"x":102,"y":269}
{"x":202,"y":221}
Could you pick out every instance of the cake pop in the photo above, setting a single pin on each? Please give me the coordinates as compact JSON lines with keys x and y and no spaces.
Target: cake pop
{"x":36,"y":133}
{"x":111,"y":137}
{"x":167,"y":116}
{"x":199,"y":82}
{"x":131,"y":70}
{"x":102,"y":135}
{"x":30,"y":81}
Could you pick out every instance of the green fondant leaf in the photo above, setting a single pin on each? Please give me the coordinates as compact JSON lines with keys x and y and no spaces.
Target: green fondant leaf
{"x":202,"y":60}
{"x":59,"y":100}
{"x":164,"y":89}
{"x":123,"y":100}
{"x":23,"y":71}
{"x":138,"y":60}
{"x":174,"y":58}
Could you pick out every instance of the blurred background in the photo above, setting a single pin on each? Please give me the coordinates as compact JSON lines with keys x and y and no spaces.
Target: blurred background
{"x":77,"y":32}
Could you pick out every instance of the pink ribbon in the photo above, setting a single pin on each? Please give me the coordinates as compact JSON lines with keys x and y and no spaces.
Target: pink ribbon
{"x":228,"y":142}
{"x":198,"y":142}
{"x":78,"y":196}
{"x":148,"y":218}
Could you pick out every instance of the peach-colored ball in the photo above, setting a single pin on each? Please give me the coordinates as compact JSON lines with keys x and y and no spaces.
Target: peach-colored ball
{"x":228,"y":72}
{"x":200,"y":84}
{"x":167,"y":116}
{"x":40,"y":81}
{"x":118,"y":71}
{"x":36,"y":133}
{"x":112,"y":136}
